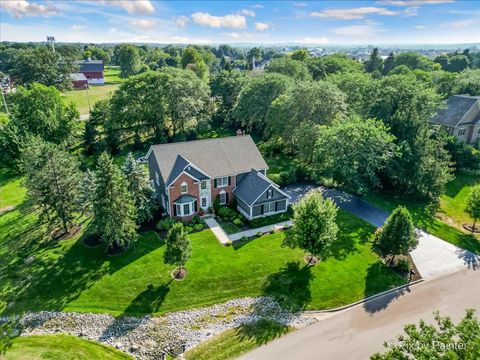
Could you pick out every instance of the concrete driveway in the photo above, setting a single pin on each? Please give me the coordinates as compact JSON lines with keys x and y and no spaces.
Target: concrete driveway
{"x":433,"y":256}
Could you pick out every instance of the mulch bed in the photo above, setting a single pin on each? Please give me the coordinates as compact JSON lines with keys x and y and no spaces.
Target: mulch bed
{"x":92,"y":240}
{"x":311,"y":260}
{"x":179,"y":274}
{"x":470,"y":228}
{"x":59,"y":234}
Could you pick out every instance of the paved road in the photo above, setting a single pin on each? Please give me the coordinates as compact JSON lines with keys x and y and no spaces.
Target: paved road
{"x":358,"y":332}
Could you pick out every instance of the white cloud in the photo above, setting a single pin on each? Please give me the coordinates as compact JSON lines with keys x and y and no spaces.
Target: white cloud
{"x":354,"y":13}
{"x":77,"y":27}
{"x":132,"y":7}
{"x":230,"y":21}
{"x":420,"y":27}
{"x":247,"y":12}
{"x":411,"y":11}
{"x":257,"y":6}
{"x":366,"y":31}
{"x":261,"y":26}
{"x":21,"y":8}
{"x":143,"y":23}
{"x":461,"y":24}
{"x":312,"y":41}
{"x":413,"y":2}
{"x":300,"y":4}
{"x":182,"y":21}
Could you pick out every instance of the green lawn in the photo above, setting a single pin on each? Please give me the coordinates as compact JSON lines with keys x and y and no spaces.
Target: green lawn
{"x":37,"y":273}
{"x":447,"y":222}
{"x":233,"y":343}
{"x":59,"y":347}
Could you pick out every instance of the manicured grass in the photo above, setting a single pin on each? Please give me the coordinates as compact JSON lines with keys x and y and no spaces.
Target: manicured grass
{"x":112,"y":75}
{"x":57,"y":347}
{"x":447,"y":222}
{"x":233,"y":343}
{"x":37,"y":273}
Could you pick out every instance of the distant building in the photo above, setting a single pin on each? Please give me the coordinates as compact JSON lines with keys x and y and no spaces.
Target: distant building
{"x":79,"y":81}
{"x":93,"y":70}
{"x":461,"y":118}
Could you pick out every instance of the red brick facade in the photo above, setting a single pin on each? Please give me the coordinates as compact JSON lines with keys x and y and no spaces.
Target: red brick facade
{"x":227,"y":189}
{"x":175,"y":192}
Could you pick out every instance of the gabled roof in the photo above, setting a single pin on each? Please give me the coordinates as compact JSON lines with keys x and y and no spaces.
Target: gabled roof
{"x":78,"y":77}
{"x":213,"y":157}
{"x":253,"y":185}
{"x":183,"y":165}
{"x":457,"y":107}
{"x":90,"y":65}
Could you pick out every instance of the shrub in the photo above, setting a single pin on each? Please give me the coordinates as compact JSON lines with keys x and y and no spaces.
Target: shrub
{"x":165,"y":224}
{"x":403,"y":265}
{"x":198,"y":227}
{"x":227,"y":213}
{"x":196,"y":220}
{"x":216,"y":205}
{"x":243,"y":239}
{"x":238,"y":221}
{"x":259,"y":234}
{"x":288,"y":177}
{"x":188,"y":229}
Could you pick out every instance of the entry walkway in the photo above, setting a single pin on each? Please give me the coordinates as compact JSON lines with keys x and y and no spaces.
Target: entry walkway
{"x":263,"y":230}
{"x":217,"y":230}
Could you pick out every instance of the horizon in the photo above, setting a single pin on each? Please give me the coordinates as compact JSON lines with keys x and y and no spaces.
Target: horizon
{"x":265,"y":23}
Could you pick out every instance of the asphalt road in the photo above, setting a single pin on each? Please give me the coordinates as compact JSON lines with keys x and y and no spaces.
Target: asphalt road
{"x":358,"y":332}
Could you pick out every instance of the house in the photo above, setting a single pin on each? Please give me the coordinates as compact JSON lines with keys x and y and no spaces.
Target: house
{"x":189,"y":176}
{"x":461,"y":118}
{"x":79,"y":81}
{"x":93,"y":70}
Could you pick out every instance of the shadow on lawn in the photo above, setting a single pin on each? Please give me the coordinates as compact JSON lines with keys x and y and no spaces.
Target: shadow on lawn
{"x":290,"y":286}
{"x":262,"y":331}
{"x":380,"y":278}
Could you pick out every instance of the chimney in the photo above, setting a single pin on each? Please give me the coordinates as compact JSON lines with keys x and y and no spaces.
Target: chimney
{"x":239,"y":132}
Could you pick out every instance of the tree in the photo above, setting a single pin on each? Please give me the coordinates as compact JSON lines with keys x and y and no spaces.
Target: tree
{"x":226,"y":86}
{"x":41,"y":111}
{"x":42,"y":65}
{"x":113,"y":207}
{"x":320,"y":67}
{"x":468,"y":82}
{"x":354,"y":152}
{"x":445,"y":340}
{"x":86,"y":194}
{"x":11,"y":141}
{"x":473,"y":204}
{"x":52,"y":180}
{"x":289,"y":67}
{"x":101,"y":115}
{"x":128,"y":58}
{"x":299,"y":55}
{"x":89,"y":137}
{"x":140,"y":188}
{"x":178,"y":248}
{"x":374,"y":63}
{"x":389,"y":63}
{"x":314,"y":228}
{"x":317,"y":102}
{"x":192,"y":59}
{"x":255,"y":98}
{"x":307,"y":134}
{"x":414,"y":61}
{"x":356,"y":86}
{"x":398,"y":235}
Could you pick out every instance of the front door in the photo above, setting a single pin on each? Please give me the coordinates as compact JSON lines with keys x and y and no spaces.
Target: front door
{"x":204,"y":202}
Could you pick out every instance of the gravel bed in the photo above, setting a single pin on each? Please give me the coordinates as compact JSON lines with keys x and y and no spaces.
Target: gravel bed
{"x":148,"y":337}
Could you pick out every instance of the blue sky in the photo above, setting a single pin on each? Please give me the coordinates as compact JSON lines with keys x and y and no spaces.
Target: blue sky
{"x":213,"y":22}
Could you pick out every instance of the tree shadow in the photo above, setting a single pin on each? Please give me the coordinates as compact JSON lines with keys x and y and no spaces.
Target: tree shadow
{"x":261,"y":331}
{"x":469,"y":242}
{"x":380,"y":278}
{"x":290,"y":286}
{"x":238,"y":244}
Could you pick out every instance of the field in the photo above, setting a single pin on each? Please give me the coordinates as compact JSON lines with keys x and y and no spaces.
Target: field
{"x":37,"y":273}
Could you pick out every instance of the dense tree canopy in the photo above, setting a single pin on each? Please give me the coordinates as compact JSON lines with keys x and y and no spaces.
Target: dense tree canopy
{"x":128,"y":58}
{"x":225,"y":87}
{"x":289,"y":67}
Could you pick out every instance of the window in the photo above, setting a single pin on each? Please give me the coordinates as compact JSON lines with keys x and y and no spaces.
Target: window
{"x":461,"y":132}
{"x":186,"y":209}
{"x":184,"y":188}
{"x":222,"y":182}
{"x":270,"y":207}
{"x":222,"y":198}
{"x":178,"y":209}
{"x":157,"y":178}
{"x":203,"y":202}
{"x":269,"y":193}
{"x":163,"y":202}
{"x":203,"y":185}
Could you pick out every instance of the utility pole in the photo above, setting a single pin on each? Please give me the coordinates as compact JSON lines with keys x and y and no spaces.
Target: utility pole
{"x":51,"y":41}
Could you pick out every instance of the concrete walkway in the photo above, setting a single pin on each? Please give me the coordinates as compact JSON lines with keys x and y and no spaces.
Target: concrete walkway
{"x":263,"y":230}
{"x":217,"y":231}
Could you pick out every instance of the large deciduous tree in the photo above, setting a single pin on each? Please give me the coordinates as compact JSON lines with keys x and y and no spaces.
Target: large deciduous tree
{"x":192,"y":59}
{"x":374,"y":62}
{"x":52,"y":180}
{"x":225,"y":87}
{"x":128,"y":57}
{"x":289,"y":67}
{"x":354,"y":152}
{"x":398,"y":235}
{"x":178,"y":247}
{"x":473,"y":205}
{"x":314,"y":227}
{"x":114,"y":210}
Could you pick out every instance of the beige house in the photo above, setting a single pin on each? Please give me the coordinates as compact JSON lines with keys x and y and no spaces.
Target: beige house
{"x":461,"y":118}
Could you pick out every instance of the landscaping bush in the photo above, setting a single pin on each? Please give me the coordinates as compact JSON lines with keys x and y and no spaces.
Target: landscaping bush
{"x":227,"y":214}
{"x":238,"y":221}
{"x":188,"y":228}
{"x":403,"y":265}
{"x":165,"y":224}
{"x":288,"y":177}
{"x":196,"y":220}
{"x":198,"y":227}
{"x":216,"y":205}
{"x":259,"y":234}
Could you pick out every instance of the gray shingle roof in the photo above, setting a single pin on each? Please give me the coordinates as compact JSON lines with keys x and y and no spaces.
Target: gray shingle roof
{"x":253,"y":185}
{"x":184,"y":199}
{"x":457,"y":107}
{"x":214,"y":157}
{"x":90,"y":65}
{"x":78,"y":77}
{"x":181,"y":164}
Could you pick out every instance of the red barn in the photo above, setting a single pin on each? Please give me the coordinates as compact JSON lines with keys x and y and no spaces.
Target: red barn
{"x":93,"y":70}
{"x":79,"y":81}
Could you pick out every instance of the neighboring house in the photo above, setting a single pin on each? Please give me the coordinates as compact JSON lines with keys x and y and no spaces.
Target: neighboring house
{"x":189,"y":176}
{"x":79,"y":81}
{"x":93,"y":70}
{"x":461,"y":117}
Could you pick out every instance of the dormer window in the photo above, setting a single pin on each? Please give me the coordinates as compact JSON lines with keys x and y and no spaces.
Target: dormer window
{"x":269,"y":193}
{"x":184,"y":188}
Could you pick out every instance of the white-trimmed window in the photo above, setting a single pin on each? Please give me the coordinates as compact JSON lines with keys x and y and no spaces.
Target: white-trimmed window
{"x":185,"y":209}
{"x":269,"y":208}
{"x":222,"y":181}
{"x":203,"y":201}
{"x":203,"y":185}
{"x":184,"y":188}
{"x":222,"y":198}
{"x":157,"y":178}
{"x":461,"y":132}
{"x":269,"y":193}
{"x":164,"y":203}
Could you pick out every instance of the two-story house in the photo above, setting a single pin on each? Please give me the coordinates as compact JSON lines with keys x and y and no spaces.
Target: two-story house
{"x":461,"y":118}
{"x":190,"y":175}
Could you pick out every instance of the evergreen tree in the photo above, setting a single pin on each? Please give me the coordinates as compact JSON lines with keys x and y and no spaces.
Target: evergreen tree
{"x":398,"y":235}
{"x":113,"y":206}
{"x":314,"y":228}
{"x":86,"y":193}
{"x":473,"y":205}
{"x":140,"y":188}
{"x":52,"y":180}
{"x":89,"y":137}
{"x":389,"y":63}
{"x":374,"y":63}
{"x":178,"y":247}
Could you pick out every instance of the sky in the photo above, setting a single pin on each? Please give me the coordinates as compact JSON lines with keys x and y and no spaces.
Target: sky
{"x":262,"y":22}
